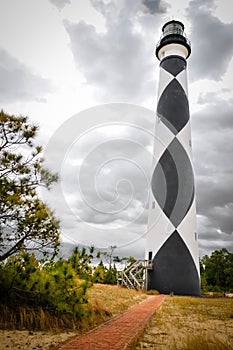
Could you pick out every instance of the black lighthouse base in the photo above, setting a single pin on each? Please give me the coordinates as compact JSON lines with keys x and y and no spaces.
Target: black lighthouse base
{"x":174,"y":270}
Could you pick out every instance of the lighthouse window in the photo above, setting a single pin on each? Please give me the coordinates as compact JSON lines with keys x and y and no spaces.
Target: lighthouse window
{"x":195,"y":236}
{"x":153,"y":205}
{"x":173,"y":28}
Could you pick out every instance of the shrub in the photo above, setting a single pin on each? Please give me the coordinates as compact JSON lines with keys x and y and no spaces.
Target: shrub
{"x":54,"y":289}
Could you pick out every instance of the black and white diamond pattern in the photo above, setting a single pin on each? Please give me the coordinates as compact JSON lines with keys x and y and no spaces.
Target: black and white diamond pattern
{"x":173,"y":235}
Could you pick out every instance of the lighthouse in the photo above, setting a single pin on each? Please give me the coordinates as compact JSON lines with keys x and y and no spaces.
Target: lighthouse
{"x":172,"y":243}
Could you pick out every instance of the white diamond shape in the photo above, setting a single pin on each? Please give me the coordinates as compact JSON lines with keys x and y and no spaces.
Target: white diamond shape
{"x":159,"y":228}
{"x":163,"y":137}
{"x":182,"y":79}
{"x":164,"y":79}
{"x":187,"y":229}
{"x":184,"y":137}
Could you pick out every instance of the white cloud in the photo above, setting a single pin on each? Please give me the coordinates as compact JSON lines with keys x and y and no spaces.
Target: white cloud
{"x":18,"y":82}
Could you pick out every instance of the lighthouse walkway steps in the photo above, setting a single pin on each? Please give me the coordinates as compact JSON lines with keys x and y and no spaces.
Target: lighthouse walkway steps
{"x":135,"y":275}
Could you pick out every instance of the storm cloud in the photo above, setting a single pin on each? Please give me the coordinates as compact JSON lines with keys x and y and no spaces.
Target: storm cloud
{"x":213,"y":149}
{"x":212,"y":42}
{"x":114,"y":61}
{"x":106,"y":54}
{"x":154,"y":6}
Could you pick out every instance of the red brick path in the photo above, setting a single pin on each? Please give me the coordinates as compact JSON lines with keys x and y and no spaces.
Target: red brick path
{"x":120,"y":332}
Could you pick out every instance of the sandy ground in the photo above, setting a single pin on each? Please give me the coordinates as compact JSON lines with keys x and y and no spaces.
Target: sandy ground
{"x":25,"y":340}
{"x":186,"y":324}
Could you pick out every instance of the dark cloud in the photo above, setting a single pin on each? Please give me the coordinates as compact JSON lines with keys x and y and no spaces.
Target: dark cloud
{"x":116,"y":62}
{"x":105,"y":174}
{"x":212,"y":238}
{"x":154,"y":6}
{"x":213,"y":149}
{"x":113,"y":182}
{"x":60,"y":4}
{"x":212,"y":42}
{"x":18,"y":83}
{"x":216,"y":113}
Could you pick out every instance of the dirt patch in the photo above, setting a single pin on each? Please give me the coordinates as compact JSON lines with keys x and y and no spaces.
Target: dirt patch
{"x":24,"y":340}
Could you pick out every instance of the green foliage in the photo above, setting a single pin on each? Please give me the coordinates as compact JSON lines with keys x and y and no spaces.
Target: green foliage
{"x":55,"y":287}
{"x":80,"y":261}
{"x":25,"y":221}
{"x":99,"y":273}
{"x":33,"y":294}
{"x":36,"y":294}
{"x":111,"y":275}
{"x":105,"y":275}
{"x":130,"y":260}
{"x":217,"y":271}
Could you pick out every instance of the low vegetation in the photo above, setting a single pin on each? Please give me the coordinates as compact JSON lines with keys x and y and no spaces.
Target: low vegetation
{"x":105,"y":301}
{"x":52,"y":295}
{"x":114,"y":299}
{"x":36,"y":297}
{"x":189,"y":323}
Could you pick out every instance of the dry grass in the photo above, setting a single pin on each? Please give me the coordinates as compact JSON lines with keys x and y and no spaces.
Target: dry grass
{"x":188,"y":323}
{"x":31,"y":319}
{"x":183,"y":323}
{"x":114,"y":299}
{"x":105,"y":300}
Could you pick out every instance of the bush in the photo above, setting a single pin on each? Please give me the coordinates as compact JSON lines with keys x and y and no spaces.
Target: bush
{"x":54,"y":288}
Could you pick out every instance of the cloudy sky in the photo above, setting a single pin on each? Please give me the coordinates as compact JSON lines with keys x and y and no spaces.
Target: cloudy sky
{"x":86,"y":73}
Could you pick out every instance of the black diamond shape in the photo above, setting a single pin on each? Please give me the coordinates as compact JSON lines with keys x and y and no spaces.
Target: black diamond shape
{"x":173,"y":64}
{"x":173,"y":107}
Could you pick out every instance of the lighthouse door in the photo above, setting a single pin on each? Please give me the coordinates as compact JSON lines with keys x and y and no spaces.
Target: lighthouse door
{"x":150,"y":256}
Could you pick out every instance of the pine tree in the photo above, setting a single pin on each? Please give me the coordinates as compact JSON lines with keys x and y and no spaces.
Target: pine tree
{"x":25,"y":221}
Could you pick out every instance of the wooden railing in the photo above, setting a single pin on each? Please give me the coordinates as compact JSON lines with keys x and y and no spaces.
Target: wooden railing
{"x":135,"y":275}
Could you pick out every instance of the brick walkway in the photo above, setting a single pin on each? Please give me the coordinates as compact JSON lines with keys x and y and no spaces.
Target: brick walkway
{"x":120,"y":332}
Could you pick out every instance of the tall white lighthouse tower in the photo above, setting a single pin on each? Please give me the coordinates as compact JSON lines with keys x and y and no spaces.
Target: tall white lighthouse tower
{"x":172,"y":239}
